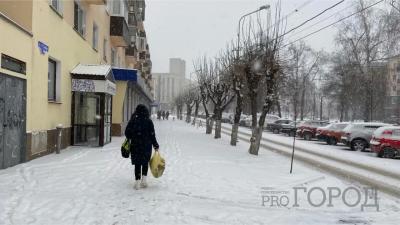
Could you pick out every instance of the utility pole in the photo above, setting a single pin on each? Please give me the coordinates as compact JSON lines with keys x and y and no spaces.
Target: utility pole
{"x":320,"y":108}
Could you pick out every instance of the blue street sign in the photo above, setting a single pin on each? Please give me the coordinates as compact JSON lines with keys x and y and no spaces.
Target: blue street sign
{"x":43,"y":48}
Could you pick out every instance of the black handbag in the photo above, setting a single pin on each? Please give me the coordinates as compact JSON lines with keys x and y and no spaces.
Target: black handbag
{"x":126,"y":148}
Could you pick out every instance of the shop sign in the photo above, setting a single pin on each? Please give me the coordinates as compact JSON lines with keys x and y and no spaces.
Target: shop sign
{"x":98,"y":86}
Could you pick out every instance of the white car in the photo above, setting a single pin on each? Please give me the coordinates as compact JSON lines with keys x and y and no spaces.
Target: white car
{"x":269,"y":118}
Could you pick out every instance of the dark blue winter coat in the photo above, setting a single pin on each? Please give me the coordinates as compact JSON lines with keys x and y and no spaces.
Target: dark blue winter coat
{"x":140,"y":130}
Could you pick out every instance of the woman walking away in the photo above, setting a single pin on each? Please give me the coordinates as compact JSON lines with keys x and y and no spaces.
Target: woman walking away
{"x":140,"y":131}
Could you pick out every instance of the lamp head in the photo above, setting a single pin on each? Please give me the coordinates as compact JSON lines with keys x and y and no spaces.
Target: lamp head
{"x":265,"y":7}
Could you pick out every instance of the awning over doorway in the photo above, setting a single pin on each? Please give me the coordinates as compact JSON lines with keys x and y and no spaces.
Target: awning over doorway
{"x":93,"y":78}
{"x":125,"y":74}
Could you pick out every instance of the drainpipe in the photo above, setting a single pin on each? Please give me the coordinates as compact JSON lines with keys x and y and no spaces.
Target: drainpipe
{"x":59,"y":136}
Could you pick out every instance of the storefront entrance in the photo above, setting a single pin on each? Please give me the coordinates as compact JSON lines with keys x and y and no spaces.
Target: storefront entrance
{"x":92,"y":105}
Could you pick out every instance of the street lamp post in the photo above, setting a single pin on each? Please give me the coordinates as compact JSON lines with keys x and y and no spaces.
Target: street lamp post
{"x":264,"y":7}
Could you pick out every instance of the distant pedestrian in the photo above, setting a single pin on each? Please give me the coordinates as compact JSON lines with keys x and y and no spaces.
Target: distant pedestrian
{"x":140,"y":131}
{"x":159,"y":115}
{"x":163,"y":115}
{"x":167,"y":114}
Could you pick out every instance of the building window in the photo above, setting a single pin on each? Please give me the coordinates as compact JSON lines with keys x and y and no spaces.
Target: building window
{"x":105,"y":44}
{"x":113,"y":57}
{"x":57,"y":5}
{"x":12,"y":64}
{"x":52,"y":81}
{"x":79,"y":19}
{"x":116,"y":7}
{"x":95,"y":41}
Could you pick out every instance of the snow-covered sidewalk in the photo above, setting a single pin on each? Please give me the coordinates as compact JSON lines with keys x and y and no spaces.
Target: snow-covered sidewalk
{"x":206,"y":182}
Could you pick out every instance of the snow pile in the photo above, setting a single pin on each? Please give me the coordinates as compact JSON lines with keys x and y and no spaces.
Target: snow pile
{"x":206,"y":182}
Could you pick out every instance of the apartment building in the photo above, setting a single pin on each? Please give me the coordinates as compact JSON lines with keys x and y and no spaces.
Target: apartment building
{"x":65,"y":64}
{"x":392,"y":109}
{"x":167,"y":86}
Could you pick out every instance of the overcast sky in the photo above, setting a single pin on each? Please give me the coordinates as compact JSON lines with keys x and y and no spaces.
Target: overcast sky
{"x":190,"y":28}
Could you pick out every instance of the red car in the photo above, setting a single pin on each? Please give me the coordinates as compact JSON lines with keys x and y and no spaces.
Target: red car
{"x":386,"y":142}
{"x":322,"y":132}
{"x":308,"y":129}
{"x":334,"y":133}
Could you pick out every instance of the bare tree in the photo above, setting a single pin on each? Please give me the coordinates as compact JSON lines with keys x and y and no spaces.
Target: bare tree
{"x":201,"y":68}
{"x":179,"y":103}
{"x":189,"y":97}
{"x":267,"y":64}
{"x":219,"y":91}
{"x":362,"y":41}
{"x":234,"y":69}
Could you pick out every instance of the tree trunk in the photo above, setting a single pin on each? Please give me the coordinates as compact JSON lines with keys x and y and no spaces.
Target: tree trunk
{"x":320,"y":109}
{"x":211,"y":124}
{"x":188,"y":113}
{"x":217,"y":129}
{"x":234,"y":134}
{"x":278,"y":106}
{"x":196,"y":109}
{"x":208,"y":125}
{"x":302,"y":103}
{"x":253,"y":105}
{"x":238,"y":113}
{"x":255,"y":140}
{"x":218,"y":116}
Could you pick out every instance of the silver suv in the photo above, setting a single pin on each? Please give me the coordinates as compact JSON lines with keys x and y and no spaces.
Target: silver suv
{"x":358,"y":135}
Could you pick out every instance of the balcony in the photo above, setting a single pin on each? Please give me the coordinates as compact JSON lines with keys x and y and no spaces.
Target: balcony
{"x":95,"y":2}
{"x":142,"y":55}
{"x":131,"y":51}
{"x":119,"y":32}
{"x":142,"y":34}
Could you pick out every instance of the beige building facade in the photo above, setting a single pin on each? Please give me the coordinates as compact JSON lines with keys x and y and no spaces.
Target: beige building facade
{"x":59,"y":57}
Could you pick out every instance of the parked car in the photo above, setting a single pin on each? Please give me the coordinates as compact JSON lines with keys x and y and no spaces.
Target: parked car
{"x":244,"y":120}
{"x":322,"y":131}
{"x":225,"y":118}
{"x":276,"y":126}
{"x":308,"y":129}
{"x":333,"y":134}
{"x":268,"y":119}
{"x":386,"y":142}
{"x":358,"y":135}
{"x":290,"y":129}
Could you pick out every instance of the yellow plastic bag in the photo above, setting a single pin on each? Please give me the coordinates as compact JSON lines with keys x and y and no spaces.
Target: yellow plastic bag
{"x":157,"y":165}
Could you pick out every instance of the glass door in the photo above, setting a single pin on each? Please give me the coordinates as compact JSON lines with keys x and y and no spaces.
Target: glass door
{"x":107,"y":118}
{"x":87,"y":119}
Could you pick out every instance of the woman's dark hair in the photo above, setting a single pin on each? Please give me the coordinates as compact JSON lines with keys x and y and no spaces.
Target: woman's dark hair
{"x":141,"y":111}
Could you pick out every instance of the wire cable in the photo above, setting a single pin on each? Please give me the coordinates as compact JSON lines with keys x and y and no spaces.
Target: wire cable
{"x":331,"y":24}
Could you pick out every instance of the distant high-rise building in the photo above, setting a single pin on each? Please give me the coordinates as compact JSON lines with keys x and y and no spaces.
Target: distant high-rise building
{"x":167,"y":86}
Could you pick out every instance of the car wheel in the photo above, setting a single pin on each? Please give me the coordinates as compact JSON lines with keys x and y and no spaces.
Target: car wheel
{"x":332,"y":141}
{"x":275,"y":131}
{"x":388,"y":153}
{"x":292,"y":134}
{"x":358,"y":145}
{"x":307,"y":136}
{"x":328,"y":141}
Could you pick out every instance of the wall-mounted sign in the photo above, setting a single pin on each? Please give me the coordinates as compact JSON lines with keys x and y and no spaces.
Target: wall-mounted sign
{"x":99,"y":86}
{"x":83,"y":85}
{"x":43,"y":48}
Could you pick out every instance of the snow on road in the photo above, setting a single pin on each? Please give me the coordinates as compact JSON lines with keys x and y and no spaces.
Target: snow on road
{"x":206,"y":182}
